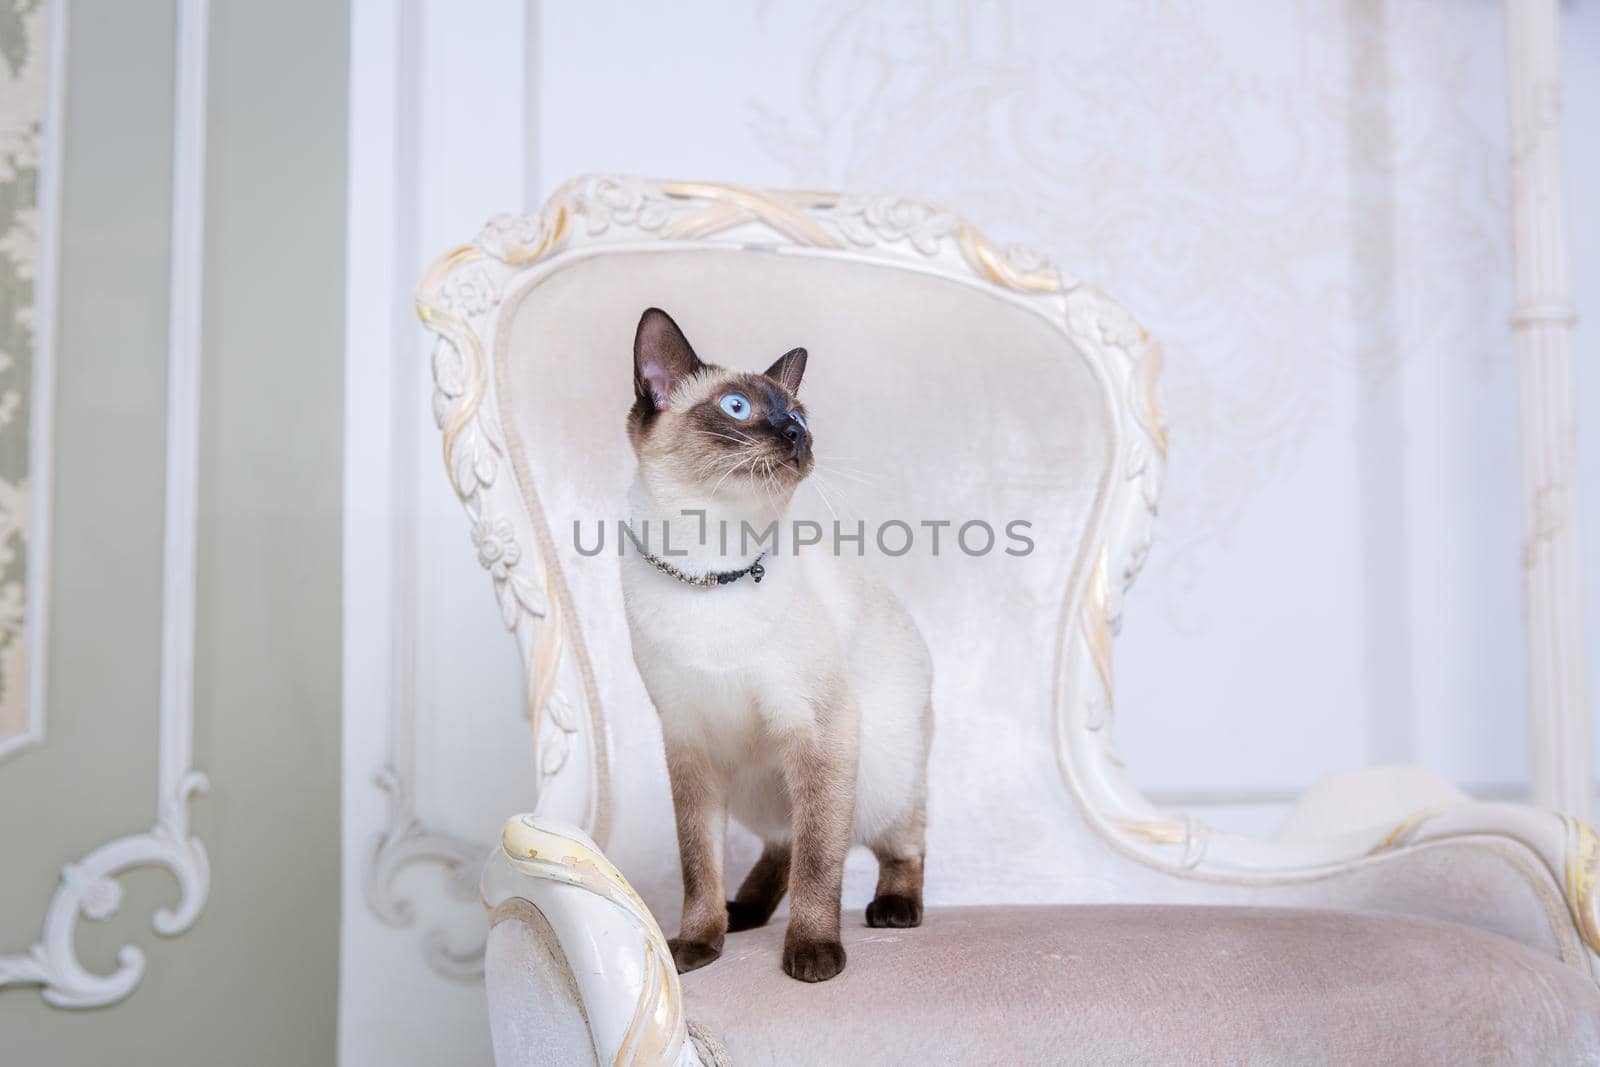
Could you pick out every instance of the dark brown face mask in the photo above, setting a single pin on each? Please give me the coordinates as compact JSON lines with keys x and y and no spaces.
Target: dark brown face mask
{"x":711,"y":423}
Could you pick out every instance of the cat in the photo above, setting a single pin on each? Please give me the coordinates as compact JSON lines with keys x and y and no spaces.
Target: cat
{"x":793,"y":690}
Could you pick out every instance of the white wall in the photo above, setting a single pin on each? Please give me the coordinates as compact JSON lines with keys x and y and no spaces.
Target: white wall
{"x":1580,"y":49}
{"x":1307,"y":202}
{"x":435,"y":739}
{"x":170,"y":882}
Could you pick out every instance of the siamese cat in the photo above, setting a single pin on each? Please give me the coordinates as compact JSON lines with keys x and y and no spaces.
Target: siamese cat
{"x":793,"y":690}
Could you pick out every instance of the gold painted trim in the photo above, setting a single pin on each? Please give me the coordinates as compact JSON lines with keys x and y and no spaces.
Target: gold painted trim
{"x":986,"y":259}
{"x":551,"y":235}
{"x":549,"y":633}
{"x":1156,"y":831}
{"x":455,"y":330}
{"x":732,"y":205}
{"x":512,"y":908}
{"x":1404,"y":832}
{"x":658,"y":1029}
{"x":547,"y":655}
{"x":1149,"y":412}
{"x":1096,"y":630}
{"x":790,"y":214}
{"x":1582,"y":877}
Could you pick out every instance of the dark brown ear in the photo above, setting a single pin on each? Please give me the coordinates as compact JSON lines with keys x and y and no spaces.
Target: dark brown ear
{"x":662,"y":358}
{"x":789,"y":369}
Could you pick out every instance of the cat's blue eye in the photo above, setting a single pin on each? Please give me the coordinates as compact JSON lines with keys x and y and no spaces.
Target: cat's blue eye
{"x":800,"y":418}
{"x":737,"y":405}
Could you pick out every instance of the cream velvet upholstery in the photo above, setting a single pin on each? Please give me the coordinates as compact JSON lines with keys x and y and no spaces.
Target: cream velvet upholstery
{"x":947,"y":381}
{"x":1108,"y":985}
{"x":940,"y":401}
{"x":1147,"y":985}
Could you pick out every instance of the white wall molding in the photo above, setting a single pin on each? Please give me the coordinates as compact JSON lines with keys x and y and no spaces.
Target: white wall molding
{"x":532,"y":101}
{"x":436,"y":736}
{"x":385,"y":346}
{"x":88,"y":886}
{"x":41,"y":403}
{"x":1543,"y":321}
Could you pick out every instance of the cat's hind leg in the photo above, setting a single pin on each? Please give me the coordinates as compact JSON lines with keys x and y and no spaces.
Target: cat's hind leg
{"x":762,"y":890}
{"x":900,"y":851}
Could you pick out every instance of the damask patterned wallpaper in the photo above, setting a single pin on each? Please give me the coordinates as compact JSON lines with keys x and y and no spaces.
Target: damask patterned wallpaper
{"x":1305,"y":201}
{"x":1281,"y":206}
{"x":22,"y":108}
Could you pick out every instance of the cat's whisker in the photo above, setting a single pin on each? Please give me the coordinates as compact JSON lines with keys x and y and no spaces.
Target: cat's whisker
{"x":715,"y":465}
{"x":854,"y":476}
{"x":742,"y":439}
{"x":725,"y":475}
{"x":835,"y":467}
{"x":769,"y":483}
{"x":735,"y":453}
{"x":834,"y":457}
{"x":823,"y":496}
{"x":827,"y":489}
{"x":730,"y":471}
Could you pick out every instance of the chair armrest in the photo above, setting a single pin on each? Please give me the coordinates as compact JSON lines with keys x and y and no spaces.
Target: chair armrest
{"x":535,"y":1013}
{"x":1352,"y":801}
{"x":616,"y":956}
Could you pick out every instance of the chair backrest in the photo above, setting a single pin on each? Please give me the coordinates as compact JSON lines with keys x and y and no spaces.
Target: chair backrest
{"x":949,"y":382}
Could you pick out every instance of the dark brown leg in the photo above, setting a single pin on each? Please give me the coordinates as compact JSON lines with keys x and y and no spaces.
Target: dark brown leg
{"x":762,"y":890}
{"x":820,"y":773}
{"x":702,"y":821}
{"x":898,"y":901}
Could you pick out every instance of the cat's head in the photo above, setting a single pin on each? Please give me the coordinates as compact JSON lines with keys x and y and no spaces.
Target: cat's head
{"x":702,"y":427}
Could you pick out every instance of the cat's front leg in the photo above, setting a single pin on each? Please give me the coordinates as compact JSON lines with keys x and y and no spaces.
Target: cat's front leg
{"x":819,"y":765}
{"x":699,"y":799}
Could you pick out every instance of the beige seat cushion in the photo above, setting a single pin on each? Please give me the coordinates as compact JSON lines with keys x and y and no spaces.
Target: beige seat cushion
{"x":1134,"y":984}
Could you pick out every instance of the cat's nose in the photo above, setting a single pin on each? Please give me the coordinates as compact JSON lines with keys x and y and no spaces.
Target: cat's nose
{"x":792,"y":426}
{"x":799,"y":438}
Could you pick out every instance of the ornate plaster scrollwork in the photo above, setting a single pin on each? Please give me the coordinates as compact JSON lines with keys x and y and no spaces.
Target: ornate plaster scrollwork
{"x":88,"y":888}
{"x":405,"y":842}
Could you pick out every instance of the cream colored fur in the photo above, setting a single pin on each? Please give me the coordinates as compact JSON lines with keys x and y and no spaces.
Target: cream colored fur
{"x":799,"y":704}
{"x":729,"y":668}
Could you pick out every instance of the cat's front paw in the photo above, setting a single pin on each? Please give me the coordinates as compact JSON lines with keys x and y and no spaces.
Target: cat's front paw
{"x":812,"y":960}
{"x":895,"y":911}
{"x":689,"y":955}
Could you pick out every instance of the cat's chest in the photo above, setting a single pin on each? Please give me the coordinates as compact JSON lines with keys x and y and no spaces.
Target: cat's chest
{"x":728,"y":630}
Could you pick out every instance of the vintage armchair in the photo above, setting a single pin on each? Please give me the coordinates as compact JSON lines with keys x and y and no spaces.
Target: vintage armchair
{"x":1393,"y":920}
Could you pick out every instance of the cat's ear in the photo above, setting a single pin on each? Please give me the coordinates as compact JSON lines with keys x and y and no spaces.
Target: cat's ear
{"x":789,"y":369}
{"x":662,"y":358}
